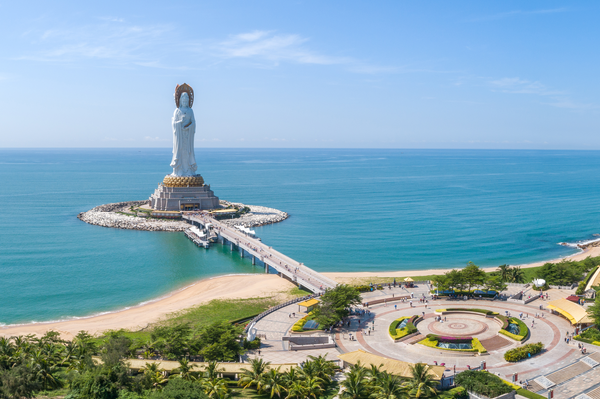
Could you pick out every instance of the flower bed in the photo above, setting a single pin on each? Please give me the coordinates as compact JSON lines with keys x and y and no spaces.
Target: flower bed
{"x":433,"y":341}
{"x":298,"y":326}
{"x":409,"y":328}
{"x":523,"y":352}
{"x":523,"y":329}
{"x":484,"y":311}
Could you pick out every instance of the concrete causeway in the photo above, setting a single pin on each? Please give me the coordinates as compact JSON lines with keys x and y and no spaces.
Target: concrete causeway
{"x":284,"y":265}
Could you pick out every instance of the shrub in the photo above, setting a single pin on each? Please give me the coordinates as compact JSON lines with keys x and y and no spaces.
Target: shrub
{"x":454,"y":393}
{"x":483,"y":383}
{"x":298,"y":326}
{"x":397,"y":333}
{"x":529,"y":394}
{"x":523,"y":330}
{"x":523,"y":352}
{"x":484,"y":311}
{"x":476,"y":344}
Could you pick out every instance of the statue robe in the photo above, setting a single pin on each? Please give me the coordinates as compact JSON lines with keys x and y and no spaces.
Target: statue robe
{"x":184,"y":160}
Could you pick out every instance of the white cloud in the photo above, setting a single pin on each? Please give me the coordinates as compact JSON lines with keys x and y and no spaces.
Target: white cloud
{"x":267,"y":45}
{"x":520,"y":86}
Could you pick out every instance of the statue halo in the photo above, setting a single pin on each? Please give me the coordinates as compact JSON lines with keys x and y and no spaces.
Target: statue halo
{"x":184,"y":88}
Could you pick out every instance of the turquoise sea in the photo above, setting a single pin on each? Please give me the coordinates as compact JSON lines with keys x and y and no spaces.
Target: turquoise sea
{"x":351,"y":210}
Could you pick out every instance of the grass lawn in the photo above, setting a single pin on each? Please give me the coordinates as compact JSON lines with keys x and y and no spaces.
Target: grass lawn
{"x":217,"y":310}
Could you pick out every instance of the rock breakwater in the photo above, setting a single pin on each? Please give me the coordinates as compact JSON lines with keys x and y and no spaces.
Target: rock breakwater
{"x":120,"y":216}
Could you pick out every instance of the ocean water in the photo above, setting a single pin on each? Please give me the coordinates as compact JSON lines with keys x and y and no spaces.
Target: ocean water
{"x":351,"y":210}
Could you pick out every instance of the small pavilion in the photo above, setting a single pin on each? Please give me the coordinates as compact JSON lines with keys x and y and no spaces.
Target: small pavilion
{"x":308,"y":304}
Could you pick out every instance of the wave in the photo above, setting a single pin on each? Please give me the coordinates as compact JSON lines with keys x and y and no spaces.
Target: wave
{"x":579,"y":244}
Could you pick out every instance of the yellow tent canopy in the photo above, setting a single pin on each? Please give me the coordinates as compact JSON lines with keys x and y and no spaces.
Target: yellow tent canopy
{"x":408,"y":279}
{"x":308,"y":304}
{"x":575,"y":313}
{"x":396,"y":367}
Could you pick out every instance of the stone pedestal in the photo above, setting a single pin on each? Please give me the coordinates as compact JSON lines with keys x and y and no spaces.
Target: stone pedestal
{"x":183,"y":193}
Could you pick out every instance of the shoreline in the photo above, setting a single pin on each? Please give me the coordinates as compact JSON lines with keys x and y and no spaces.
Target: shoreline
{"x":137,"y":317}
{"x":202,"y":291}
{"x":342,"y":277}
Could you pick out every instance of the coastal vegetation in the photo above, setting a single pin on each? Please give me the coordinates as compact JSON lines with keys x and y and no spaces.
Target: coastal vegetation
{"x":482,"y":383}
{"x":464,"y":281}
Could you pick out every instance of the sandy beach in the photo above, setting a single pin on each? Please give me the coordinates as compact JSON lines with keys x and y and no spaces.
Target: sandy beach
{"x":135,"y":318}
{"x":353,"y":277}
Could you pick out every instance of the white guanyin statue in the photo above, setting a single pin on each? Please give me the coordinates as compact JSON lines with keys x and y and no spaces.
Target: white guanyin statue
{"x":184,"y":129}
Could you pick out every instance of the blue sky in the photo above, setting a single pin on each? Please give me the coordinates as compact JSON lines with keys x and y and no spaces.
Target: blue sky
{"x":387,"y":74}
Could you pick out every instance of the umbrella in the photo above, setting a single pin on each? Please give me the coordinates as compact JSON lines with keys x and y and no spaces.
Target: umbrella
{"x":408,"y":279}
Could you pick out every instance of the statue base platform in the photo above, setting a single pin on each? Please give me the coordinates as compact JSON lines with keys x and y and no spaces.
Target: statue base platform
{"x":183,"y":194}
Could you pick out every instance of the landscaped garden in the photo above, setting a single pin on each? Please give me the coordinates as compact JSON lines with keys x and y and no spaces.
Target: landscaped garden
{"x":403,"y":327}
{"x":461,"y":344}
{"x":512,"y":327}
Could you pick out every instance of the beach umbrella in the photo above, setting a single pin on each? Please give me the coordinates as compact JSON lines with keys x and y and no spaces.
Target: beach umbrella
{"x":408,"y":279}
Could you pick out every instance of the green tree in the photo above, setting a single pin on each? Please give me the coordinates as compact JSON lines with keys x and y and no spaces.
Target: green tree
{"x":273,"y":383}
{"x":472,"y":276}
{"x":388,"y":386}
{"x":594,"y":311}
{"x":517,"y":275}
{"x":184,"y":371}
{"x":495,"y":284}
{"x":253,"y":376}
{"x":220,"y":341}
{"x":18,"y":382}
{"x":504,"y":271}
{"x":335,"y":304}
{"x":180,"y":389}
{"x":421,"y":383}
{"x":356,"y":384}
{"x":216,"y":388}
{"x":171,"y":341}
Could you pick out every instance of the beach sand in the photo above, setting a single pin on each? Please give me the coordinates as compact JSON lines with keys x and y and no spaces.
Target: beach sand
{"x":357,"y":277}
{"x":135,"y":318}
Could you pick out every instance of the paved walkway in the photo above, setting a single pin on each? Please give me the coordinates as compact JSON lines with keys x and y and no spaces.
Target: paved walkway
{"x":369,"y":332}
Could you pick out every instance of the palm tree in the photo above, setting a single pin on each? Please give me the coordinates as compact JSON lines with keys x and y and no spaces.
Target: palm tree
{"x":212,"y":371}
{"x":216,"y":388}
{"x":273,"y":383}
{"x":517,"y":275}
{"x":313,"y":387}
{"x":184,"y":371}
{"x":421,"y":385}
{"x":355,"y":386}
{"x":297,"y":390}
{"x":389,"y":386}
{"x":319,"y":367}
{"x":255,"y":374}
{"x":293,"y":375}
{"x":45,"y":370}
{"x":505,"y":273}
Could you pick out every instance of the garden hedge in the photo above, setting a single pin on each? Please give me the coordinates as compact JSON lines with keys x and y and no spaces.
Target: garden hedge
{"x":483,"y":383}
{"x":410,"y":328}
{"x":522,"y":352}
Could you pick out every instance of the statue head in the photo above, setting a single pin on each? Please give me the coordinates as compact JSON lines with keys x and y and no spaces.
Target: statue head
{"x":184,"y":100}
{"x":186,"y":89}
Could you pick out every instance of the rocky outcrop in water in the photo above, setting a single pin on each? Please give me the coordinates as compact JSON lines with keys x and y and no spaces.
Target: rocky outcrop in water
{"x":120,"y":216}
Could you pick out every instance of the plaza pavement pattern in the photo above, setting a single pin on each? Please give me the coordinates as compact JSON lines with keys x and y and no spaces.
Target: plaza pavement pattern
{"x":561,"y":367}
